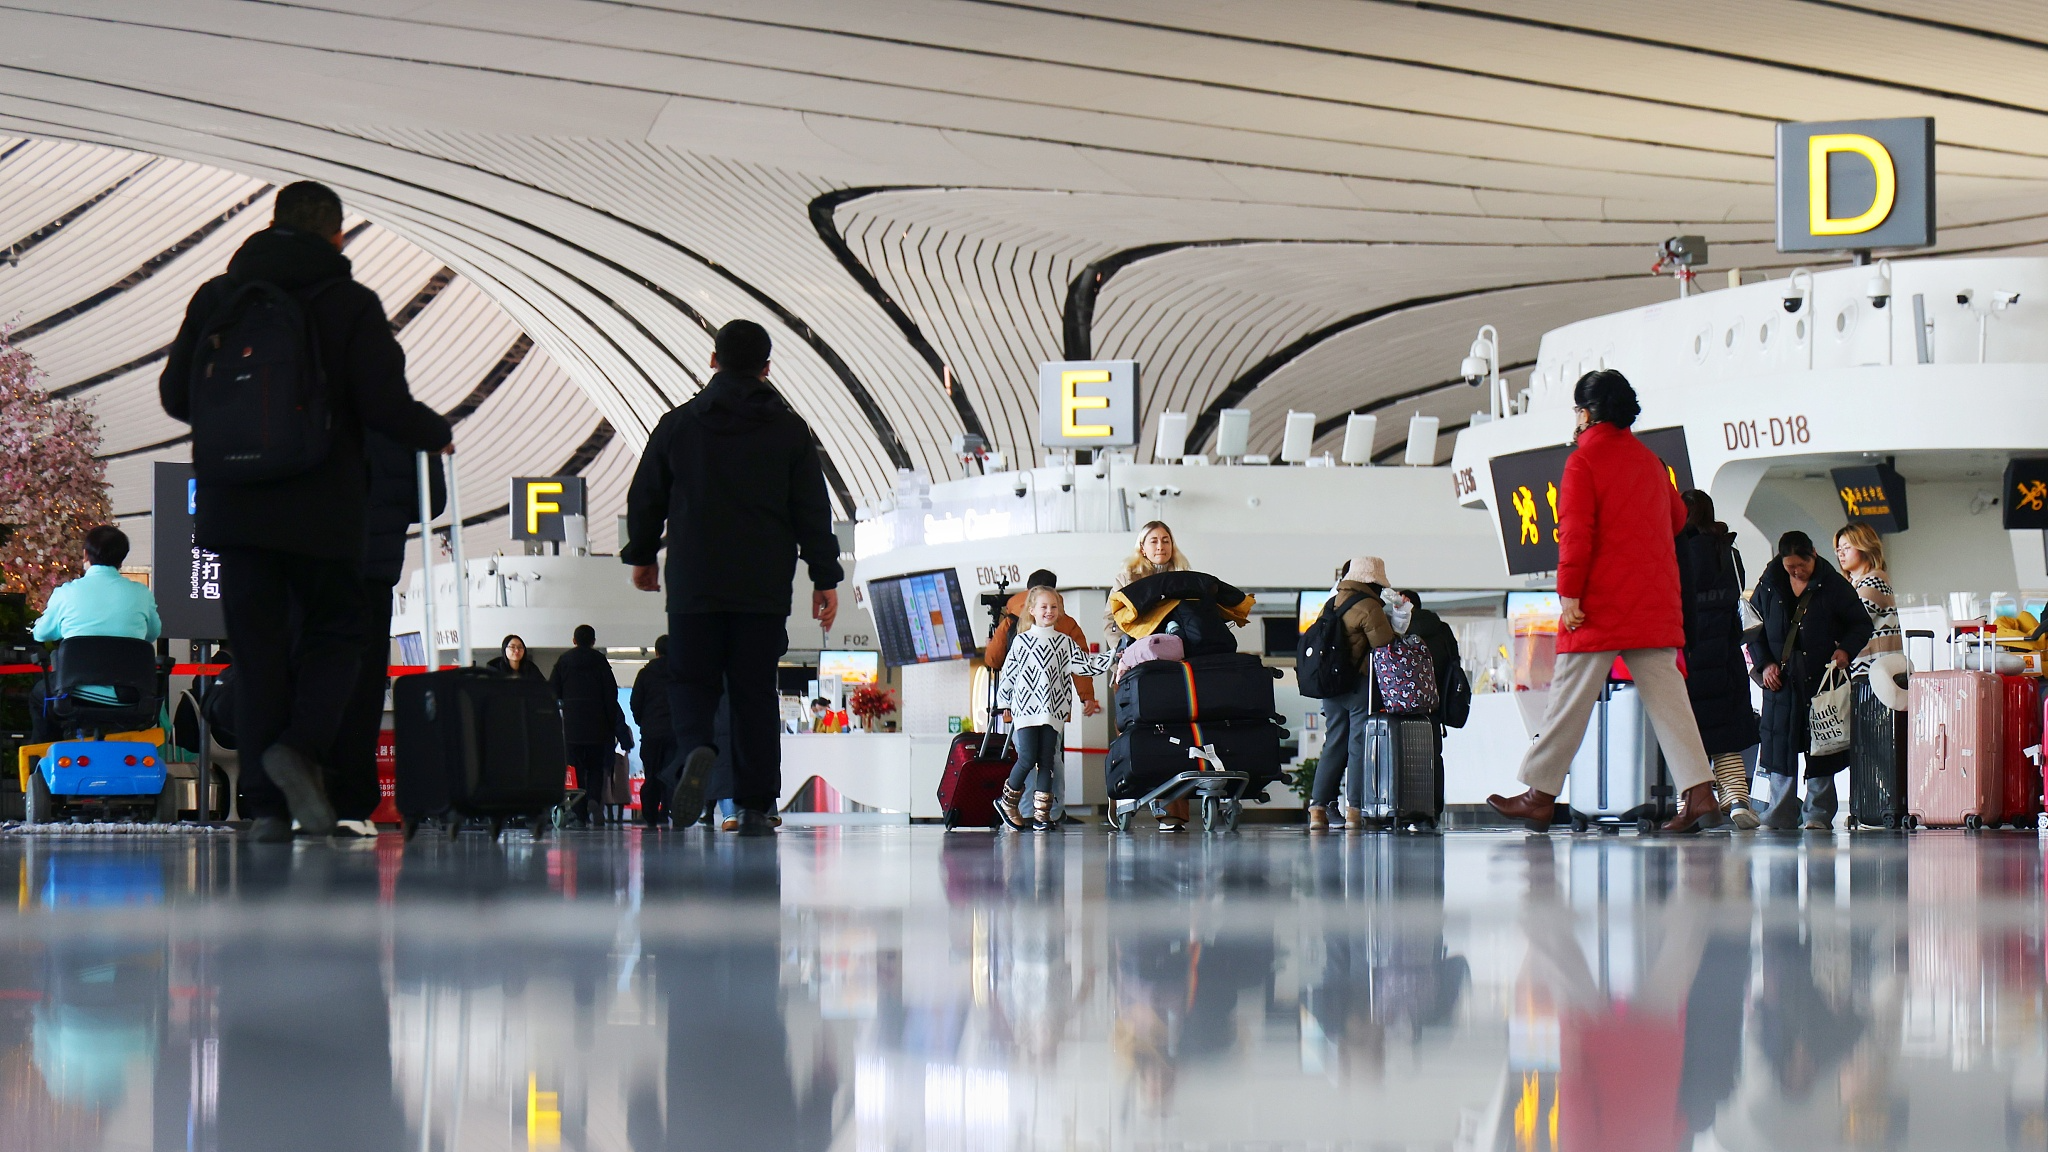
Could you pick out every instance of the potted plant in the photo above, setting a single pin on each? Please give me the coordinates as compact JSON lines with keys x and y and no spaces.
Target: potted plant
{"x":869,"y":703}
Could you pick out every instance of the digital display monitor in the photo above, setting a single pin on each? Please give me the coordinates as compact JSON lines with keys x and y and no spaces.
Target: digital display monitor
{"x":921,"y":618}
{"x":1308,"y":607}
{"x":850,"y":667}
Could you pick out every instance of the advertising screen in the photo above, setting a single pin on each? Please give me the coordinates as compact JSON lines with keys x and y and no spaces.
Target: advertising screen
{"x":1525,"y":495}
{"x":186,"y":577}
{"x":921,"y":618}
{"x":850,"y":667}
{"x":1308,"y":606}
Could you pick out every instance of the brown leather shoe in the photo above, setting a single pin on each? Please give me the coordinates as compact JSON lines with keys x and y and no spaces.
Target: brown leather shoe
{"x":1695,"y":806}
{"x":1535,"y":808}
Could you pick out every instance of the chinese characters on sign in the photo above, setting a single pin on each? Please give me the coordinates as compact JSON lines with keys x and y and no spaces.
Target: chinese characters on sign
{"x":188,"y":601}
{"x":1525,"y":495}
{"x":1872,"y":494}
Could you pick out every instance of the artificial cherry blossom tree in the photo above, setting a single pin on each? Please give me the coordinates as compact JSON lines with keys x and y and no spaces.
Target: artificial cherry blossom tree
{"x":52,"y":490}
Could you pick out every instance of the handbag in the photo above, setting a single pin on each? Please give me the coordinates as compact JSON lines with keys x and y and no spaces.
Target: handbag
{"x":1827,"y":717}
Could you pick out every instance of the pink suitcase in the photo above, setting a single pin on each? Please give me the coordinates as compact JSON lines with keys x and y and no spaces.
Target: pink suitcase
{"x":1954,"y":776}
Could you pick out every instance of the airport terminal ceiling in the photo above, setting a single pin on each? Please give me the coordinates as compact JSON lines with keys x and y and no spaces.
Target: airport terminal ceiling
{"x":1282,"y":204}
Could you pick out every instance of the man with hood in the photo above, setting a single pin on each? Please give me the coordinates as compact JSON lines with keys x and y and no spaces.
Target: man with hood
{"x":734,"y":477}
{"x":292,"y":547}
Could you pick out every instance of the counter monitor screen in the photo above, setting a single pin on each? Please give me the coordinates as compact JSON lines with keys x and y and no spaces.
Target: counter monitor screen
{"x":850,"y":667}
{"x":921,"y":618}
{"x":1308,"y":606}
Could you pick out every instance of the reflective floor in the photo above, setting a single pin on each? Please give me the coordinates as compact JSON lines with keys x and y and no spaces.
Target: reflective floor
{"x":901,"y":989}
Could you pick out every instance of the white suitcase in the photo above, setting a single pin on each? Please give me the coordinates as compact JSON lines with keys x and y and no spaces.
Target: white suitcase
{"x":1618,"y":774}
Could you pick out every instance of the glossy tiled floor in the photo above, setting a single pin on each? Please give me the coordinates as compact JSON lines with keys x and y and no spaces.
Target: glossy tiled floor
{"x":900,"y":989}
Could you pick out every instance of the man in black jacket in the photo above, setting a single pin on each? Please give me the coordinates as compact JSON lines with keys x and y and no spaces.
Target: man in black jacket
{"x":292,"y":548}
{"x":734,"y":477}
{"x":657,"y":734}
{"x":593,"y":724}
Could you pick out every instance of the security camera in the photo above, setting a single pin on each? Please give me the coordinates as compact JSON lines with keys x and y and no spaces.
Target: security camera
{"x":1965,"y":297}
{"x":2003,"y":300}
{"x":1794,"y":299}
{"x":1019,"y":487}
{"x":1879,"y":290}
{"x":1066,"y":480}
{"x":1169,"y":491}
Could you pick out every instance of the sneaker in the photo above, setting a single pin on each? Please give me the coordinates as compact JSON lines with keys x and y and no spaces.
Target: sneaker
{"x":298,"y":777}
{"x":686,"y":802}
{"x":753,"y":823}
{"x":271,"y":830}
{"x":729,"y":824}
{"x":1743,"y":817}
{"x":1819,"y":826}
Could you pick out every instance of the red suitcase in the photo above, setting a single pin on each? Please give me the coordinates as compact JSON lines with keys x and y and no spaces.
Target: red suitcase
{"x":1953,"y":762}
{"x":2021,"y":731}
{"x":977,"y":766}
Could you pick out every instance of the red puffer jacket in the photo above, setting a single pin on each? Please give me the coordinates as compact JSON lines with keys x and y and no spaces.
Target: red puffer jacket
{"x":1617,"y":516}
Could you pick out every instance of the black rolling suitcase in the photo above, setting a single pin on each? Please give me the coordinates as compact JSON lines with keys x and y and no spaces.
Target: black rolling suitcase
{"x":1398,"y":779}
{"x":1232,"y":686}
{"x":1143,"y":756}
{"x":472,"y":742}
{"x":1877,"y":761}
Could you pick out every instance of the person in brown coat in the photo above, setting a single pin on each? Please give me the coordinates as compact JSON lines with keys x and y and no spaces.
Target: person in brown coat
{"x":1360,"y":584}
{"x":1006,"y":630}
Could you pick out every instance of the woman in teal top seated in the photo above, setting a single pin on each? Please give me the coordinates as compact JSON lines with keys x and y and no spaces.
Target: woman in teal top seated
{"x":100,"y":603}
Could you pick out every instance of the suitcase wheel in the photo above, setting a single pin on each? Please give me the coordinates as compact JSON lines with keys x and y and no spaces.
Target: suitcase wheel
{"x":1120,"y":817}
{"x":1646,"y":825}
{"x":1580,"y":823}
{"x":2041,"y":822}
{"x":1909,"y":822}
{"x":952,"y":818}
{"x":1891,"y":820}
{"x":1973,"y":823}
{"x":407,"y":827}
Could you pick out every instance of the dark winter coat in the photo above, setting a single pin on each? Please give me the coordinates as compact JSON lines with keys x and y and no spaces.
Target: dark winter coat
{"x":1834,"y":619}
{"x":589,"y":693}
{"x":1442,"y":642}
{"x":1716,"y":677}
{"x":528,"y":670}
{"x":649,"y":702}
{"x":1617,"y":513}
{"x":321,"y":512}
{"x":733,"y":476}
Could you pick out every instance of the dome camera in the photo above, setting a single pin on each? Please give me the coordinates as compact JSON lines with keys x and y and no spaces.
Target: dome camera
{"x":1879,"y":290}
{"x":1794,"y":299}
{"x":1965,"y":297}
{"x":1018,"y":487}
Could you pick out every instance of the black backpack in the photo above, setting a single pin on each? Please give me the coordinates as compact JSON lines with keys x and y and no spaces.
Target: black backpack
{"x":1322,"y":661}
{"x":1201,"y":627}
{"x":1456,"y":692}
{"x":259,"y":403}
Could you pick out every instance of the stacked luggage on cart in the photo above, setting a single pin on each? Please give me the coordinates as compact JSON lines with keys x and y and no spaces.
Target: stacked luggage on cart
{"x":1394,"y":771}
{"x":1194,"y":715}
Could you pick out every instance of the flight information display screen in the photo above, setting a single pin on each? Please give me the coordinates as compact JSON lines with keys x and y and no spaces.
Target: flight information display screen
{"x":921,"y":618}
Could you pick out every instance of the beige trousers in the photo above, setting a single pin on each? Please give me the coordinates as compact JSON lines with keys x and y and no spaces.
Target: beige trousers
{"x":1575,"y":688}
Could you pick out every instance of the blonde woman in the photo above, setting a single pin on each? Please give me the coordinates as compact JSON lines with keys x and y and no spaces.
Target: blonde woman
{"x":1155,"y":553}
{"x":1861,"y":554}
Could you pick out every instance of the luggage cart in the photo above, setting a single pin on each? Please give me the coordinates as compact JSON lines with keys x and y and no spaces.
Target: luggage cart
{"x":1219,"y":791}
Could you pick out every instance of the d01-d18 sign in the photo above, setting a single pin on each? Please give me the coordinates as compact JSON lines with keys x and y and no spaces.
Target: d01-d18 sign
{"x":185,"y":577}
{"x":1525,"y":495}
{"x":540,"y":502}
{"x":1088,"y":403}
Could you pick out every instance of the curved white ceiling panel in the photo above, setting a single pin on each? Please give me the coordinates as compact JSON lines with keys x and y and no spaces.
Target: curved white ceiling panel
{"x":1278,"y":203}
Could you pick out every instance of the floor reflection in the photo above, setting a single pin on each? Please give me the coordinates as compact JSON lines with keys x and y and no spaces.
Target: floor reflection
{"x":902,"y":990}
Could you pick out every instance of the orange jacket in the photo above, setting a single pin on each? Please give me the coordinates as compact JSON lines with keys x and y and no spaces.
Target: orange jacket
{"x":999,"y":642}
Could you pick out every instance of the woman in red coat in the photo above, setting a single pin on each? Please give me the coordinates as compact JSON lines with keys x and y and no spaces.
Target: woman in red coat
{"x":1617,"y":583}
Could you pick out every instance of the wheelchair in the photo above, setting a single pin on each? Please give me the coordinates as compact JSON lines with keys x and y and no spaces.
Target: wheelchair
{"x":108,"y":760}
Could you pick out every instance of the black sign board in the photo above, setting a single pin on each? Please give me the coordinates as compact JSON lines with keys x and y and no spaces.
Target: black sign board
{"x":1872,"y":494}
{"x":184,"y":576}
{"x":540,"y":502}
{"x":1525,"y":495}
{"x":2025,"y":503}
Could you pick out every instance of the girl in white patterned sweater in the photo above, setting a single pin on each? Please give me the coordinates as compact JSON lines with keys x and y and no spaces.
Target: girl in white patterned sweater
{"x":1036,"y":692}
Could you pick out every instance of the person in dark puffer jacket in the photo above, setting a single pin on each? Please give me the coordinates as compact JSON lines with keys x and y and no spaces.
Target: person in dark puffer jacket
{"x":1716,"y":676}
{"x":1833,"y":629}
{"x":292,"y":548}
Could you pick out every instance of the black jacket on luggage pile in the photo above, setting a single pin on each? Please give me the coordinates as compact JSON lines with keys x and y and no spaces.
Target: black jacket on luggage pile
{"x":1834,"y":619}
{"x":319,"y":512}
{"x":734,"y":477}
{"x":589,"y":693}
{"x":1442,"y":642}
{"x":1716,"y":678}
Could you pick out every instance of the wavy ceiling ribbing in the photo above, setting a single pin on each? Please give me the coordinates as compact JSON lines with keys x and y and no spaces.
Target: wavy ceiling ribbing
{"x":454,"y":334}
{"x":1328,"y":197}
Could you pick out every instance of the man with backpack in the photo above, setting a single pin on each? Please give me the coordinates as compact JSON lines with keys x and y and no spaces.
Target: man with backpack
{"x":280,"y":366}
